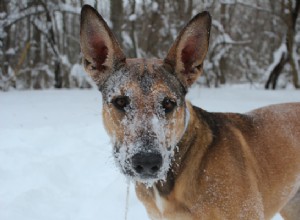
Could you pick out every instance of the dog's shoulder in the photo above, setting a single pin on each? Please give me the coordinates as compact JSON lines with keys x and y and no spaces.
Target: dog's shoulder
{"x":217,"y":121}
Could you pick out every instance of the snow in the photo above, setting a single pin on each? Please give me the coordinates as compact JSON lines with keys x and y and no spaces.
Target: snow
{"x":155,"y":6}
{"x":79,"y":78}
{"x":224,"y":37}
{"x":132,"y":17}
{"x":69,"y":8}
{"x":10,"y":51}
{"x":18,"y":15}
{"x":56,"y":160}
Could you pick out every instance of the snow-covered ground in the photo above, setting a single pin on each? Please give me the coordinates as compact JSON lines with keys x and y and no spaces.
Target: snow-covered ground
{"x":55,"y":157}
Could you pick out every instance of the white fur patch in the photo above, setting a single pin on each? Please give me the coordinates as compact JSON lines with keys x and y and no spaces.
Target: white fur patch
{"x":159,"y":201}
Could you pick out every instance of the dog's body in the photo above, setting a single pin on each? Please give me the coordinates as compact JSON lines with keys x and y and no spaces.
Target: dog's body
{"x":188,"y":163}
{"x":233,"y":166}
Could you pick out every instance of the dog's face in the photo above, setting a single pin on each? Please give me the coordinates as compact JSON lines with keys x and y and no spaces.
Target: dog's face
{"x":144,"y":109}
{"x":145,"y":114}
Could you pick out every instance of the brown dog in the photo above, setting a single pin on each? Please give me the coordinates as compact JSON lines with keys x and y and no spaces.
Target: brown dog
{"x":188,"y":163}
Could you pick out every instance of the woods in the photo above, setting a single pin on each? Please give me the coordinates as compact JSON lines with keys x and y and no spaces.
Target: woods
{"x":255,"y":42}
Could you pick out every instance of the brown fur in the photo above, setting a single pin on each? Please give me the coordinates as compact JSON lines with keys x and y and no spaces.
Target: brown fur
{"x":226,"y":165}
{"x":239,"y":167}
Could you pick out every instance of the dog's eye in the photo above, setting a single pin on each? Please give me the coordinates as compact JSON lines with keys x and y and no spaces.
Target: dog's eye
{"x":168,"y":105}
{"x":121,"y":102}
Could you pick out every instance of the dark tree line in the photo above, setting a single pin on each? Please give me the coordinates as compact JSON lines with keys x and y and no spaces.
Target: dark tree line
{"x":255,"y":41}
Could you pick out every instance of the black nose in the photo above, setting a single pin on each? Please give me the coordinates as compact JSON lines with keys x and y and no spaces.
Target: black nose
{"x":147,"y":164}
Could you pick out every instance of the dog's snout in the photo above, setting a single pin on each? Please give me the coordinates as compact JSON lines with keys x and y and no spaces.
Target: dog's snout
{"x":147,"y":164}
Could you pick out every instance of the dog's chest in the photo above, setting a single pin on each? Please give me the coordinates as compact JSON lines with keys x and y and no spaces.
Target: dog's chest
{"x":168,"y":208}
{"x":159,"y":201}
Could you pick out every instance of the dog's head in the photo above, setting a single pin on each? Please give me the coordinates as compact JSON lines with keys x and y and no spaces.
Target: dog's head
{"x":144,"y":109}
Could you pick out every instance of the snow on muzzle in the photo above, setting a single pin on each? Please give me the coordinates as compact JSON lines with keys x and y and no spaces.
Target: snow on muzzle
{"x":145,"y":160}
{"x":147,"y":148}
{"x":142,"y":158}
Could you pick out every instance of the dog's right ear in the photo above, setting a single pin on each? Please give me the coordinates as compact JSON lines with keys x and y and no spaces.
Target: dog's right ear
{"x":101,"y":52}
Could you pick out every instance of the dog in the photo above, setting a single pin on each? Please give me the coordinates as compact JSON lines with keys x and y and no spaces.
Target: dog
{"x":188,"y":163}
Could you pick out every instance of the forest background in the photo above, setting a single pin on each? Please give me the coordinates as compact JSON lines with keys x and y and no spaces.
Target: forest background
{"x":255,"y":42}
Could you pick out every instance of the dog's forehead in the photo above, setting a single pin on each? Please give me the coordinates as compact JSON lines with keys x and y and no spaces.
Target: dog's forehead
{"x":145,"y":75}
{"x":143,"y":64}
{"x":145,"y":72}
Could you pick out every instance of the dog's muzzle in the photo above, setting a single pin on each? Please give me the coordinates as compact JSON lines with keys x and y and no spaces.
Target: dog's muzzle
{"x":147,"y":164}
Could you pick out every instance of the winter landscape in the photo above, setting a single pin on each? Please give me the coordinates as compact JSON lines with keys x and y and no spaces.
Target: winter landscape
{"x":56,"y":160}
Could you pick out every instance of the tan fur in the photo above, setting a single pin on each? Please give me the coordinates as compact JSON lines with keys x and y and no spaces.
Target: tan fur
{"x":225,"y":165}
{"x":212,"y":182}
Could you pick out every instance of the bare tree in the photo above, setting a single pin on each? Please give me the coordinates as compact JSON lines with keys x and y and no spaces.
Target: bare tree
{"x":288,"y":53}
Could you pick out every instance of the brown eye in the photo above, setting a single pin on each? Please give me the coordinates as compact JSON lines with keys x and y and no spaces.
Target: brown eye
{"x":168,"y":105}
{"x":121,"y":102}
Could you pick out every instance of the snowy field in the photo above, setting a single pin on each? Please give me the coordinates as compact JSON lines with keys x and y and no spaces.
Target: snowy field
{"x":55,"y":157}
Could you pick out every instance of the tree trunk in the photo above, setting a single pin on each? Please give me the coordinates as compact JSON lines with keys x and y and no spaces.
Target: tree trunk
{"x":274,"y":75}
{"x":222,"y":61}
{"x":289,"y":58}
{"x":52,"y":41}
{"x":57,"y":75}
{"x":133,"y":52}
{"x":4,"y":42}
{"x":116,"y":16}
{"x":292,"y":18}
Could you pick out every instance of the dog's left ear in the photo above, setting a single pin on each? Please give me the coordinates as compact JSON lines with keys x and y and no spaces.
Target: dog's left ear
{"x":186,"y":56}
{"x":102,"y":54}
